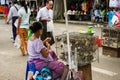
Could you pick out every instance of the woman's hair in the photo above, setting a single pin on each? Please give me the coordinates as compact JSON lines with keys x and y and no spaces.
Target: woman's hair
{"x":23,"y":4}
{"x":36,"y":26}
{"x":14,"y":1}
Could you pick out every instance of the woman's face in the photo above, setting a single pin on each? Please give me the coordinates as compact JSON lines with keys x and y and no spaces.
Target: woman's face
{"x":41,"y":30}
{"x":38,"y":33}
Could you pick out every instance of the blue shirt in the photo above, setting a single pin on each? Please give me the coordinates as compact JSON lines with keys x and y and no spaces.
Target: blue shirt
{"x":110,"y":15}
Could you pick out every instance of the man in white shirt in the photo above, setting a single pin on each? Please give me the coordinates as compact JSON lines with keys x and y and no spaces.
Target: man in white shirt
{"x":13,"y":15}
{"x":45,"y":15}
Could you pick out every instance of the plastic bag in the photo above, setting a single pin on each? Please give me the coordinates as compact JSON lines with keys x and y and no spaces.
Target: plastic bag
{"x":50,"y":26}
{"x":17,"y":43}
{"x":16,"y":23}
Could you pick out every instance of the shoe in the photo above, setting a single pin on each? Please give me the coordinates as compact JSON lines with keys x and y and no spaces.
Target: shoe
{"x":13,"y":41}
{"x":11,"y":37}
{"x":23,"y":54}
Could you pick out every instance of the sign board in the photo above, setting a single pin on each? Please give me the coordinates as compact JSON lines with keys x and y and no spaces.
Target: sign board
{"x":114,"y":3}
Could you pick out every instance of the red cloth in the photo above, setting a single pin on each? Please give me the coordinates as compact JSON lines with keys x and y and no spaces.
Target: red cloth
{"x":6,"y":10}
{"x":73,"y":7}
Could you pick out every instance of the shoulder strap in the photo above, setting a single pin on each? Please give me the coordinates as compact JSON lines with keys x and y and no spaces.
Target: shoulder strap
{"x":16,"y":8}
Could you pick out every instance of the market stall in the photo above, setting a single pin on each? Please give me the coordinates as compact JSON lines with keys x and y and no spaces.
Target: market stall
{"x":79,"y":9}
{"x":111,"y":34}
{"x":77,"y":50}
{"x":111,"y":42}
{"x":83,"y":52}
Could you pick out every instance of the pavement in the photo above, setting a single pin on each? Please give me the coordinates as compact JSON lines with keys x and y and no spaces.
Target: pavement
{"x":13,"y":64}
{"x":90,"y":23}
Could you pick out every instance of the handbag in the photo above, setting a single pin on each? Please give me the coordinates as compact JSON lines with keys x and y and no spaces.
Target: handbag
{"x":50,"y":26}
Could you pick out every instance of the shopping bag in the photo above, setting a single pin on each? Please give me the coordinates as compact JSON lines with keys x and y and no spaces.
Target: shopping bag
{"x":117,"y":23}
{"x":50,"y":26}
{"x":17,"y":43}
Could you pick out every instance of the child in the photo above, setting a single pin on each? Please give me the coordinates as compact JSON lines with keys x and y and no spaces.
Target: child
{"x":97,"y":14}
{"x":40,"y":54}
{"x":6,"y":11}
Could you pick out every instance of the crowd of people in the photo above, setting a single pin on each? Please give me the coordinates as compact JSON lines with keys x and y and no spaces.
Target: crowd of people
{"x":112,"y":14}
{"x":38,"y":45}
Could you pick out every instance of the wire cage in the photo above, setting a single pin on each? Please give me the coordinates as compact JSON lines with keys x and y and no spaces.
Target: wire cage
{"x":82,"y":45}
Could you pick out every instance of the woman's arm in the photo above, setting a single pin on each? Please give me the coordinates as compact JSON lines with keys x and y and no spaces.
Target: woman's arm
{"x":45,"y":52}
{"x":19,"y":20}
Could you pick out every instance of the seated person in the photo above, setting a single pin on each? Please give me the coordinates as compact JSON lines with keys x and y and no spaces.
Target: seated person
{"x":97,"y":14}
{"x":40,"y":54}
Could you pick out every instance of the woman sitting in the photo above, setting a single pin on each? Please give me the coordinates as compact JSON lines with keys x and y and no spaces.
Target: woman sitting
{"x":40,"y":53}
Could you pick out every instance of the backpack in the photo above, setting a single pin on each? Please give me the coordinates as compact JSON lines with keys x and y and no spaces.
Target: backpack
{"x":44,"y":74}
{"x":117,"y":24}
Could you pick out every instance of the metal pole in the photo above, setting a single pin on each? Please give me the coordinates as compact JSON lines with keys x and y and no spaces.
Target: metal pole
{"x":5,"y":1}
{"x":68,"y":42}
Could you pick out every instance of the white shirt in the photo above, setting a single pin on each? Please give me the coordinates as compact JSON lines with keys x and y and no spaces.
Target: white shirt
{"x":25,"y":17}
{"x":13,"y":12}
{"x":44,"y":13}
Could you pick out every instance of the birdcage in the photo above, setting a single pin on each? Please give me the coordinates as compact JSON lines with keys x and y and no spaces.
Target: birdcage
{"x":82,"y":45}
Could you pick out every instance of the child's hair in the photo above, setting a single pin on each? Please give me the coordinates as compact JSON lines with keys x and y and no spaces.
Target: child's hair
{"x":6,"y":5}
{"x":36,"y":26}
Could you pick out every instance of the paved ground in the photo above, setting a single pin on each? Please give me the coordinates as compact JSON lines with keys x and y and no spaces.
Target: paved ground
{"x":12,"y":63}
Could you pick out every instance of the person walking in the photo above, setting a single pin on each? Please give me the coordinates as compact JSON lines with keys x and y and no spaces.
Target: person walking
{"x":6,"y":11}
{"x":45,"y":15}
{"x":23,"y":25}
{"x":12,"y":15}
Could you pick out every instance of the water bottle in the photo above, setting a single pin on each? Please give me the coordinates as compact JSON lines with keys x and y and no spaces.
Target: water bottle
{"x":90,"y":29}
{"x":35,"y":75}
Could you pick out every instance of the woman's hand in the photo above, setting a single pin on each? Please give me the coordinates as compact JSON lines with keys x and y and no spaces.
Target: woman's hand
{"x":48,"y":39}
{"x":48,"y":45}
{"x":17,"y":31}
